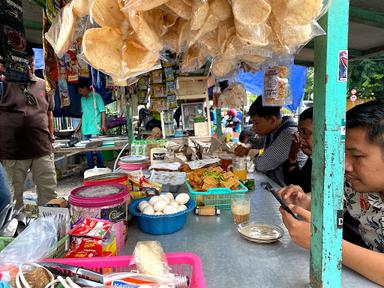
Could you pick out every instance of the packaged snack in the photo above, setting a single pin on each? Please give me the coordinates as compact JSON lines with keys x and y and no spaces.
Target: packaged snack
{"x":276,"y":86}
{"x":150,"y":258}
{"x":94,"y":228}
{"x":157,"y":76}
{"x":107,"y":13}
{"x":158,"y":91}
{"x":169,"y":74}
{"x":12,"y":53}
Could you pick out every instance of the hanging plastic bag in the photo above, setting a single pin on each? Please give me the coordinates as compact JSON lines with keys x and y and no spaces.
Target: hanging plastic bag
{"x":182,"y":9}
{"x":200,"y":10}
{"x":221,"y":9}
{"x":291,"y":38}
{"x":299,"y":12}
{"x":82,"y":7}
{"x":276,"y":86}
{"x":62,"y":31}
{"x":251,"y":23}
{"x":142,"y":5}
{"x":224,"y":68}
{"x":107,"y":13}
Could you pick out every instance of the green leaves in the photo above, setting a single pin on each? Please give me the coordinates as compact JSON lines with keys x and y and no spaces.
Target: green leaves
{"x":367,"y":77}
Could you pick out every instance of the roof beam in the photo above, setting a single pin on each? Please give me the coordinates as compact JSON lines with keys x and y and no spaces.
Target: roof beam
{"x":352,"y":52}
{"x":368,"y":17}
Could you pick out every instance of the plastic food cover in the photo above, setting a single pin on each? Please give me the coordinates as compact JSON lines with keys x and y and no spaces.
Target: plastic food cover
{"x":36,"y":242}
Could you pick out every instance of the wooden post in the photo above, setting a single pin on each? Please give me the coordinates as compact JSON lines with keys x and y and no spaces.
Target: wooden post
{"x":328,"y":156}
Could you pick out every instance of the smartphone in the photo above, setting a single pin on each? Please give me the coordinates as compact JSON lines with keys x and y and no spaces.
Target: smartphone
{"x":269,"y":188}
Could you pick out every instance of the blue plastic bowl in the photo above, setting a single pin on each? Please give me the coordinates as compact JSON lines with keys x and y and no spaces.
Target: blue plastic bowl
{"x":160,"y":224}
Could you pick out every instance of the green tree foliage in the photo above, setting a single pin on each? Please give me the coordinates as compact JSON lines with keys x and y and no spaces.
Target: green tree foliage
{"x":308,"y":92}
{"x":367,"y":77}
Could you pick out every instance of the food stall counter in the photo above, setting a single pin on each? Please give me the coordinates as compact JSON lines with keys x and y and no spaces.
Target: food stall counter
{"x":232,"y":261}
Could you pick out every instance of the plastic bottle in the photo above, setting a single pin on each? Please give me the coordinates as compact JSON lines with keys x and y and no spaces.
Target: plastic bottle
{"x":144,"y":148}
{"x":134,"y":147}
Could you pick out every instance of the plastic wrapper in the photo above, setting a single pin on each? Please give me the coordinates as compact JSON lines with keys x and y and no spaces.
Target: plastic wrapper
{"x":226,"y":30}
{"x":258,"y":35}
{"x":293,"y":37}
{"x":200,"y":10}
{"x":82,"y":7}
{"x":180,"y":8}
{"x":221,"y":9}
{"x":299,"y":12}
{"x":209,"y":41}
{"x":102,"y":48}
{"x":184,"y":29}
{"x":150,"y":258}
{"x":145,"y":33}
{"x":62,"y":31}
{"x":156,"y":20}
{"x":236,"y":47}
{"x":224,"y":67}
{"x":141,"y":5}
{"x":251,"y":12}
{"x":36,"y":242}
{"x":276,"y":86}
{"x":136,"y":56}
{"x":233,"y":96}
{"x":107,"y":13}
{"x":194,"y":59}
{"x":209,"y":25}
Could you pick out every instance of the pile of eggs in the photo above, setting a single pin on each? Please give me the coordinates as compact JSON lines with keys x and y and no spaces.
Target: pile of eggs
{"x":164,"y":204}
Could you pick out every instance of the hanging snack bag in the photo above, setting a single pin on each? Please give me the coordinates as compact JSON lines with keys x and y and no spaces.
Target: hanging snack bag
{"x":13,"y":43}
{"x":276,"y":86}
{"x":12,"y":53}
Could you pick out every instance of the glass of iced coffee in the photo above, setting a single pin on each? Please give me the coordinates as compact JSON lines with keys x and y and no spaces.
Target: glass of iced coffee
{"x":241,"y":208}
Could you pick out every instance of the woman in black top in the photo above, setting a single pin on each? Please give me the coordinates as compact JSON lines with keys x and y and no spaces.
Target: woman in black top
{"x":293,"y":173}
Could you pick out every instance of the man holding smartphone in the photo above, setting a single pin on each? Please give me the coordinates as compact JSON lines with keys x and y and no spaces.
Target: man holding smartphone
{"x":363,"y":194}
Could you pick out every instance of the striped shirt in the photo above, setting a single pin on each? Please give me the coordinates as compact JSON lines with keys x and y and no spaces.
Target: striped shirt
{"x":276,"y":149}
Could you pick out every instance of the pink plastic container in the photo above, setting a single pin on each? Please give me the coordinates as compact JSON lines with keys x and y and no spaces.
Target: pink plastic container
{"x":181,"y":263}
{"x":105,"y":202}
{"x":133,"y":166}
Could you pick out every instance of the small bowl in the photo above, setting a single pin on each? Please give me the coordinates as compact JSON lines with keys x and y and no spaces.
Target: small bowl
{"x":160,"y":224}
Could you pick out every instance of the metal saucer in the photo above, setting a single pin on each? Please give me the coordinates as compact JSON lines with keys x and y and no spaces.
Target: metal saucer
{"x":260,"y":233}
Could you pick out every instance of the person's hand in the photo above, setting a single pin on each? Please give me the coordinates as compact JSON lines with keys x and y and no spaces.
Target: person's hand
{"x":299,"y":230}
{"x":294,"y":194}
{"x":241,"y":151}
{"x":104,"y":128}
{"x":295,"y":148}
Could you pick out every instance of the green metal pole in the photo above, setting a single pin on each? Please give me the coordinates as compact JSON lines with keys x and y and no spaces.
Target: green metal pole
{"x":219,"y":130}
{"x":328,"y":156}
